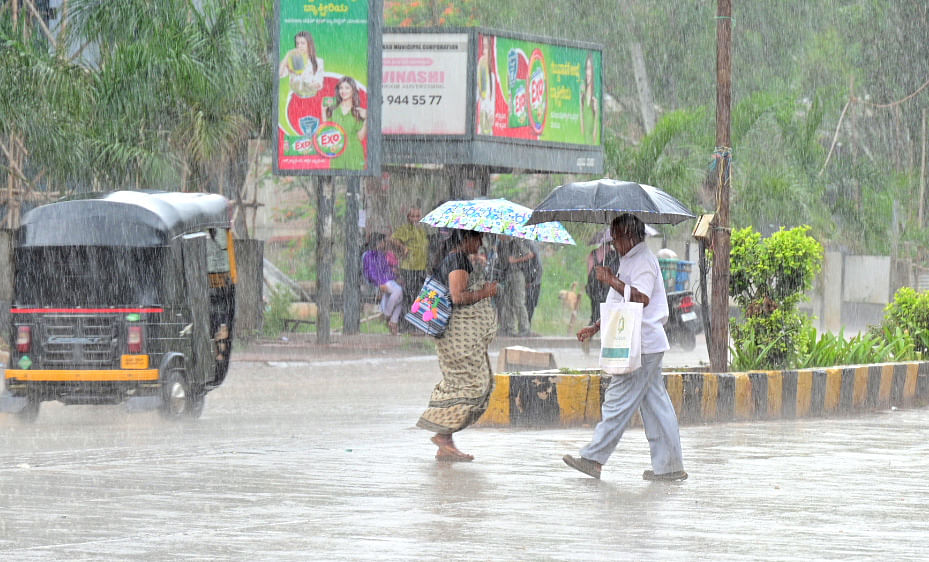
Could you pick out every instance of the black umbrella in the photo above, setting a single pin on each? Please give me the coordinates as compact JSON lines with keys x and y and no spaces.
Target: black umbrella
{"x":603,"y":200}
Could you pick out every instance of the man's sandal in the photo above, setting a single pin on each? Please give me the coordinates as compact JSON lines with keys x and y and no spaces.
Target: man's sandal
{"x":666,"y":477}
{"x":587,"y":466}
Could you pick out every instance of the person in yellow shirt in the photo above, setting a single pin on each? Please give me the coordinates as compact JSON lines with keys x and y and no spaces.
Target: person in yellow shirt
{"x":411,"y":242}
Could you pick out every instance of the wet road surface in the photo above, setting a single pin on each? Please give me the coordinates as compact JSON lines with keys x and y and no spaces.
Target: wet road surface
{"x":304,"y":460}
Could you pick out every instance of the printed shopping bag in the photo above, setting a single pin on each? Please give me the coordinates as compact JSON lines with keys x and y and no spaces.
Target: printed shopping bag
{"x":621,"y":336}
{"x":431,"y":309}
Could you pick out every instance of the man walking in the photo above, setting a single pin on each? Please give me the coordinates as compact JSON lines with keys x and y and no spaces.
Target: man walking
{"x":643,"y":389}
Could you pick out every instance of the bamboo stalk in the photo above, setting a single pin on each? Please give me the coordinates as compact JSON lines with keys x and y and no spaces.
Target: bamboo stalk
{"x":38,"y":18}
{"x":14,"y":166}
{"x":62,"y":30}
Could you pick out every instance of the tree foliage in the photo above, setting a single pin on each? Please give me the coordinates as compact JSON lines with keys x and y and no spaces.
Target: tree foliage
{"x":795,"y":67}
{"x":136,"y":94}
{"x":827,"y":106}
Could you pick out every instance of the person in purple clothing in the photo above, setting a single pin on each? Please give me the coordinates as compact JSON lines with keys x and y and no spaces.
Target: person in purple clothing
{"x":379,"y":272}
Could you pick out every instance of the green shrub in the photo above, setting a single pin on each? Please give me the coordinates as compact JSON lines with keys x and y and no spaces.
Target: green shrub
{"x":751,"y":354}
{"x":909,"y":312}
{"x":277,"y":311}
{"x":877,"y":346}
{"x":900,"y":345}
{"x":777,"y":270}
{"x":825,"y":350}
{"x":768,"y":278}
{"x":771,"y":341}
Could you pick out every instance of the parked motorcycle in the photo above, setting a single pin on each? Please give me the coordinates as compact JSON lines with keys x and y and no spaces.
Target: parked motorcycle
{"x":683,"y":324}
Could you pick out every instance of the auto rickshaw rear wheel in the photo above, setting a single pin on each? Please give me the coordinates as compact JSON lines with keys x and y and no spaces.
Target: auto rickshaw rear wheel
{"x":178,"y":398}
{"x":30,"y":411}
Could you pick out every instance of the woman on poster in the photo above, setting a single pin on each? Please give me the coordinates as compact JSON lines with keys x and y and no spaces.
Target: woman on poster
{"x":486,"y":86}
{"x":348,"y":114}
{"x":306,"y":76}
{"x":590,"y":123}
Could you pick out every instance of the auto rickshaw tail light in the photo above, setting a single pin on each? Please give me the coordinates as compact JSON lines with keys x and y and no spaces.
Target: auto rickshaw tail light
{"x":134,"y":339}
{"x":23,"y":338}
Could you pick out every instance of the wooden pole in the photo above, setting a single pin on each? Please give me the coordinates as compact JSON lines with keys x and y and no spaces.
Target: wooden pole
{"x":324,"y":196}
{"x":719,"y":346}
{"x":351,"y":290}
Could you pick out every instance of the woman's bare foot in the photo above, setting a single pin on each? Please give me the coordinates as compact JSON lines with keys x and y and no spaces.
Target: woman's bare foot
{"x":448,"y":451}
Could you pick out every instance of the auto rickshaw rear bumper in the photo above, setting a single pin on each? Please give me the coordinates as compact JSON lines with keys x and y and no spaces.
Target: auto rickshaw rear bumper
{"x":80,"y":386}
{"x":81,"y":375}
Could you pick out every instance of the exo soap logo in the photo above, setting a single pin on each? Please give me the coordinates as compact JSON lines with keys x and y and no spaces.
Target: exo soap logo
{"x":538,"y":91}
{"x":330,"y":140}
{"x":303,"y":146}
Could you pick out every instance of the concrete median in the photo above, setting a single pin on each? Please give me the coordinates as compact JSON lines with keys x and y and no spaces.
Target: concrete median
{"x":565,"y":398}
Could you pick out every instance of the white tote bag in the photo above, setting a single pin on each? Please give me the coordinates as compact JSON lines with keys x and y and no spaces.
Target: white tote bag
{"x":621,"y":336}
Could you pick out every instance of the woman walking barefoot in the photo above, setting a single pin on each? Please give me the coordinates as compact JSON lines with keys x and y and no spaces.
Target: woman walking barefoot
{"x":461,"y":397}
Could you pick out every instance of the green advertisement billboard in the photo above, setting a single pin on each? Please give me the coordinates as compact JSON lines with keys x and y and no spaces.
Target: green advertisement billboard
{"x":323,"y":83}
{"x":537,"y":91}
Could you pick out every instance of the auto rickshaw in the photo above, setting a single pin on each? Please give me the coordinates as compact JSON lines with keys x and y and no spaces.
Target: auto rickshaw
{"x":119,"y":297}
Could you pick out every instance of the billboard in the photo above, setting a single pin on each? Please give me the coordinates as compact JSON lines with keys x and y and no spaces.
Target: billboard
{"x":537,"y":91}
{"x":327,"y":71}
{"x":424,"y":82}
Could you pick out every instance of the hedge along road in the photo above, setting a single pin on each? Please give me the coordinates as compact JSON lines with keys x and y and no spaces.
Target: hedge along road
{"x":303,"y":460}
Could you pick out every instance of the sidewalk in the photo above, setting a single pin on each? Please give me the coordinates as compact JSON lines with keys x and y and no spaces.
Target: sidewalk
{"x":303,"y":346}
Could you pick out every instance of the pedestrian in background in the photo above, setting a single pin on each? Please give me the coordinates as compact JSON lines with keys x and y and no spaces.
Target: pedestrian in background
{"x":378,"y":270}
{"x":644,"y":388}
{"x":515,"y":253}
{"x":412,"y":243}
{"x":461,"y":397}
{"x":533,"y":272}
{"x":603,"y":255}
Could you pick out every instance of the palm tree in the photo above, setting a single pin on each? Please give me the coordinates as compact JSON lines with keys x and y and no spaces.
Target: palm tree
{"x":43,"y":102}
{"x":136,"y":94}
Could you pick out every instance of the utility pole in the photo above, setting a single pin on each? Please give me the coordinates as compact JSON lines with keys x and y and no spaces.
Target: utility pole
{"x":719,"y":341}
{"x":324,"y":204}
{"x":351,"y":290}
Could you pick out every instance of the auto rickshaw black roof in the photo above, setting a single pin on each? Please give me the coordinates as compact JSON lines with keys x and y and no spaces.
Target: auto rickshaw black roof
{"x":122,"y":218}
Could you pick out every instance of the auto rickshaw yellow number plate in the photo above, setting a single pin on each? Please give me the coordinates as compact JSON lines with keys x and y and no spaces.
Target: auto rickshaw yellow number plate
{"x":134,"y":362}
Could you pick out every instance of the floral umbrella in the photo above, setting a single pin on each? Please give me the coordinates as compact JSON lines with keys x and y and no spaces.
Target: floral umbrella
{"x":496,"y":216}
